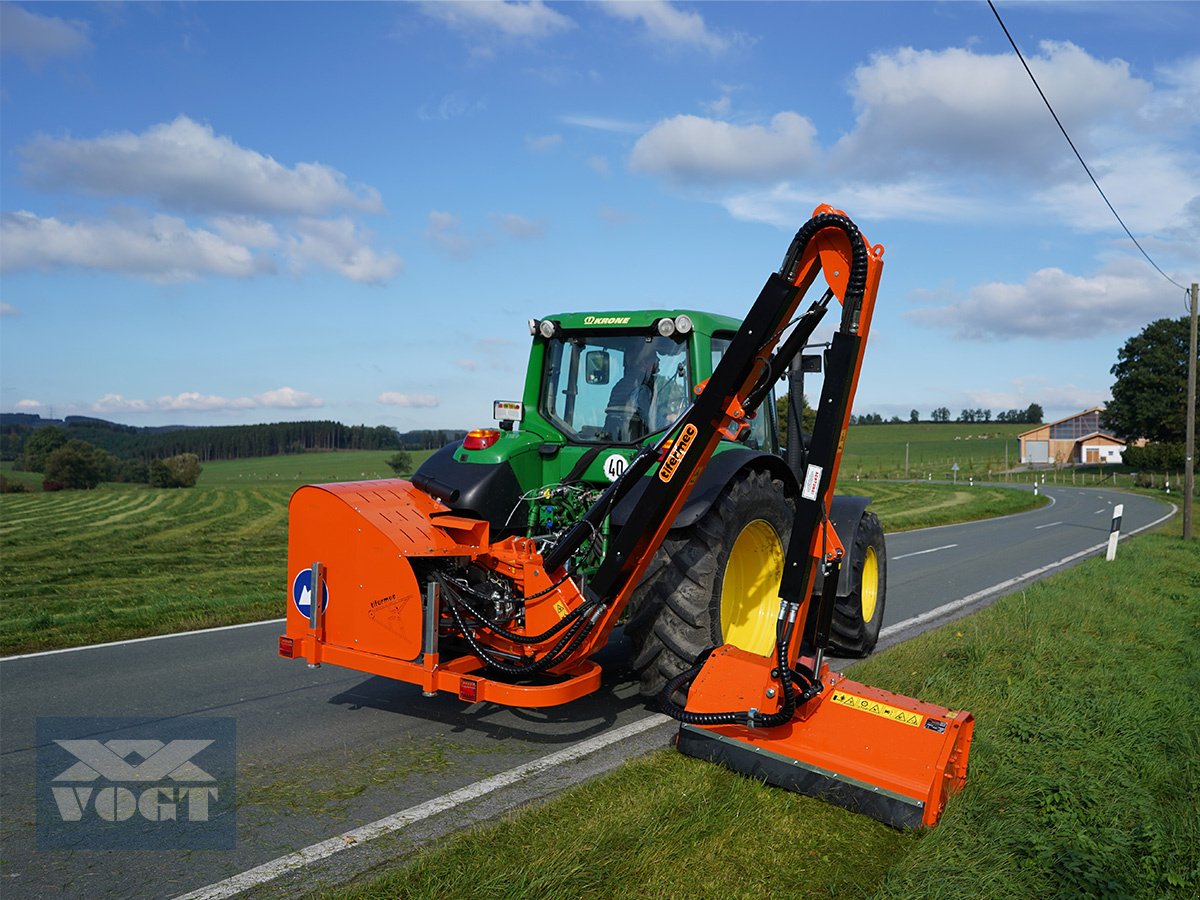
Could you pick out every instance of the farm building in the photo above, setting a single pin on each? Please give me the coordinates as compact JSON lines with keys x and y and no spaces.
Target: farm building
{"x":1075,"y":439}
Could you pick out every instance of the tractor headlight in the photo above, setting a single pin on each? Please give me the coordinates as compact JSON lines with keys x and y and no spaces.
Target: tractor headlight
{"x":547,"y":328}
{"x":683,"y":324}
{"x":666,"y":327}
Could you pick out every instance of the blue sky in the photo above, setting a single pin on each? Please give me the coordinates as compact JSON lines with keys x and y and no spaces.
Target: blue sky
{"x":229,"y":213}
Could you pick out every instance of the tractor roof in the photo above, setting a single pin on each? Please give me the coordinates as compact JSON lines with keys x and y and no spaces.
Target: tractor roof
{"x":704,"y":322}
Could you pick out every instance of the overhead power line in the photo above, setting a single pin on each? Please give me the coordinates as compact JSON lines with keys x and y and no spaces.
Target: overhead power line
{"x":1079,"y":157}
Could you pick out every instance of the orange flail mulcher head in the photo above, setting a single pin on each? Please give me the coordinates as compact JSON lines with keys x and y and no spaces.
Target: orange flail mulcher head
{"x":890,"y":757}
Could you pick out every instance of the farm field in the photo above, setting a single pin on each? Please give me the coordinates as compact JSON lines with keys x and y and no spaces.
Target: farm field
{"x":82,"y":567}
{"x":980,"y":449}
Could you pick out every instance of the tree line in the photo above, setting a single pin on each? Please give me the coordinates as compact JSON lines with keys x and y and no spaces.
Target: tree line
{"x":69,"y":463}
{"x":209,"y":442}
{"x":1031,"y":415}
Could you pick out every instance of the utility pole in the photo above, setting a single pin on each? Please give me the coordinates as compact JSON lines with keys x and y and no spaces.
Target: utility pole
{"x":1189,"y":453}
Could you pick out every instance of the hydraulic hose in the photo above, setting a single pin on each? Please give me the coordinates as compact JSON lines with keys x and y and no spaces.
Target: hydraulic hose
{"x":497,"y":628}
{"x":566,"y":645}
{"x":856,"y":285}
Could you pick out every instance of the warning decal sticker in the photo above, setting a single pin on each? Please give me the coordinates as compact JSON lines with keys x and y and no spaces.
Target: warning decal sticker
{"x":812,"y":482}
{"x":561,"y":609}
{"x":875,"y":708}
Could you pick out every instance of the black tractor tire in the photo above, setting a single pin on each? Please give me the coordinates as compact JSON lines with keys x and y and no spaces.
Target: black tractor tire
{"x":675,"y":612}
{"x":858,"y":616}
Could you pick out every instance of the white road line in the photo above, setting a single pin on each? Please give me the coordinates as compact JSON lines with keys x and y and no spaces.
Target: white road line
{"x":1097,"y":512}
{"x":922,"y":552}
{"x":397,"y":821}
{"x":153,"y":637}
{"x":1047,"y":525}
{"x":954,"y":605}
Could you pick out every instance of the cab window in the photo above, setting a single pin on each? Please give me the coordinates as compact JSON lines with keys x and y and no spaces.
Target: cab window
{"x":762,"y":427}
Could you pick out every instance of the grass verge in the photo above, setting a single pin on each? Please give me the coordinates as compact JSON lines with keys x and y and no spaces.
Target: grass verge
{"x":1083,"y":776}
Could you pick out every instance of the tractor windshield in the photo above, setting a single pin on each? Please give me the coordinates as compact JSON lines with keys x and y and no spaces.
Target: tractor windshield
{"x":614,"y":388}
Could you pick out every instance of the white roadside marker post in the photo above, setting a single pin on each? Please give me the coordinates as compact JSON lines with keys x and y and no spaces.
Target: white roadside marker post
{"x":1114,"y":533}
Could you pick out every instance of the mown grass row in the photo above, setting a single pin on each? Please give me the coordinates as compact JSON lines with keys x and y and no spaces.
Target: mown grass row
{"x":1083,"y":774}
{"x":123,"y":562}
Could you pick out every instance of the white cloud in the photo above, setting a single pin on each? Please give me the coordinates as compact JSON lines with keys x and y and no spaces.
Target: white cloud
{"x":601,"y":123}
{"x":1054,"y":304}
{"x":1154,"y":190}
{"x":247,"y":231}
{"x":532,"y":20}
{"x":1026,"y":390}
{"x":453,"y":106}
{"x":183,"y":165}
{"x":789,"y":204}
{"x":7,"y":309}
{"x":520,"y":227}
{"x":957,"y":135}
{"x":411,"y":401}
{"x":29,"y":404}
{"x":340,"y":245}
{"x":36,"y":38}
{"x":922,"y":108}
{"x":666,"y":23}
{"x":692,"y":148}
{"x":194,"y":401}
{"x":719,"y":107}
{"x":160,"y":248}
{"x":288,"y":398}
{"x":166,"y":249}
{"x":543,"y":143}
{"x":443,"y":229}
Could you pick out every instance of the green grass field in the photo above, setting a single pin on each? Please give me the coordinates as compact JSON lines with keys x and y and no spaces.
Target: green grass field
{"x":82,"y":567}
{"x":978,"y":449}
{"x":1082,"y":782}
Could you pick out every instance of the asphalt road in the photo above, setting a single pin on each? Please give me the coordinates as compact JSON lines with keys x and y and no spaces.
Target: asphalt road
{"x":323,"y":752}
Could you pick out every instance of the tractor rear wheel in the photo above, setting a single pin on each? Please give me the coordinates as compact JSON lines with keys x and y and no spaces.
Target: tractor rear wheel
{"x":857,"y":617}
{"x":713,"y":583}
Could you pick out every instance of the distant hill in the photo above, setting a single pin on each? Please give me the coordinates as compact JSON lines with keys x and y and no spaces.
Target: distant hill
{"x":217,"y":441}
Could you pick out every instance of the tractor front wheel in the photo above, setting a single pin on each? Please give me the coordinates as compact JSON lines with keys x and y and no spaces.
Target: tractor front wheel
{"x":715,"y":582}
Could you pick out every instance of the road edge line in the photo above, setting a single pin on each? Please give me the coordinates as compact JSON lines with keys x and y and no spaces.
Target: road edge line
{"x":396,"y":821}
{"x":139,"y":640}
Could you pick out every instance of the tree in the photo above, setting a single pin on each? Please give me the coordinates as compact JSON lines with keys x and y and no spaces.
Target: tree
{"x":914,"y":416}
{"x":401,"y":462}
{"x":39,"y":446}
{"x":1033,"y":414}
{"x":78,"y":465}
{"x":1149,"y":396}
{"x":175,"y":471}
{"x":941,"y":414}
{"x":808,"y":418}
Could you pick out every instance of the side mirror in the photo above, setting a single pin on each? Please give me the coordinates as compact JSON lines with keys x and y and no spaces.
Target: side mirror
{"x":596,"y":366}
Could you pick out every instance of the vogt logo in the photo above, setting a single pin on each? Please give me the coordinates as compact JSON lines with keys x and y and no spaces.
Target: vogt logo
{"x":131,"y":784}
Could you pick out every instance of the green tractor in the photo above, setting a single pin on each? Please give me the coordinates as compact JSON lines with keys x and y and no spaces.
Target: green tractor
{"x":599,"y":385}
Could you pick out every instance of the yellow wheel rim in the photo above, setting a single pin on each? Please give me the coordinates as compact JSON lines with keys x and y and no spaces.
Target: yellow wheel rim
{"x":870,"y":584}
{"x":750,"y":589}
